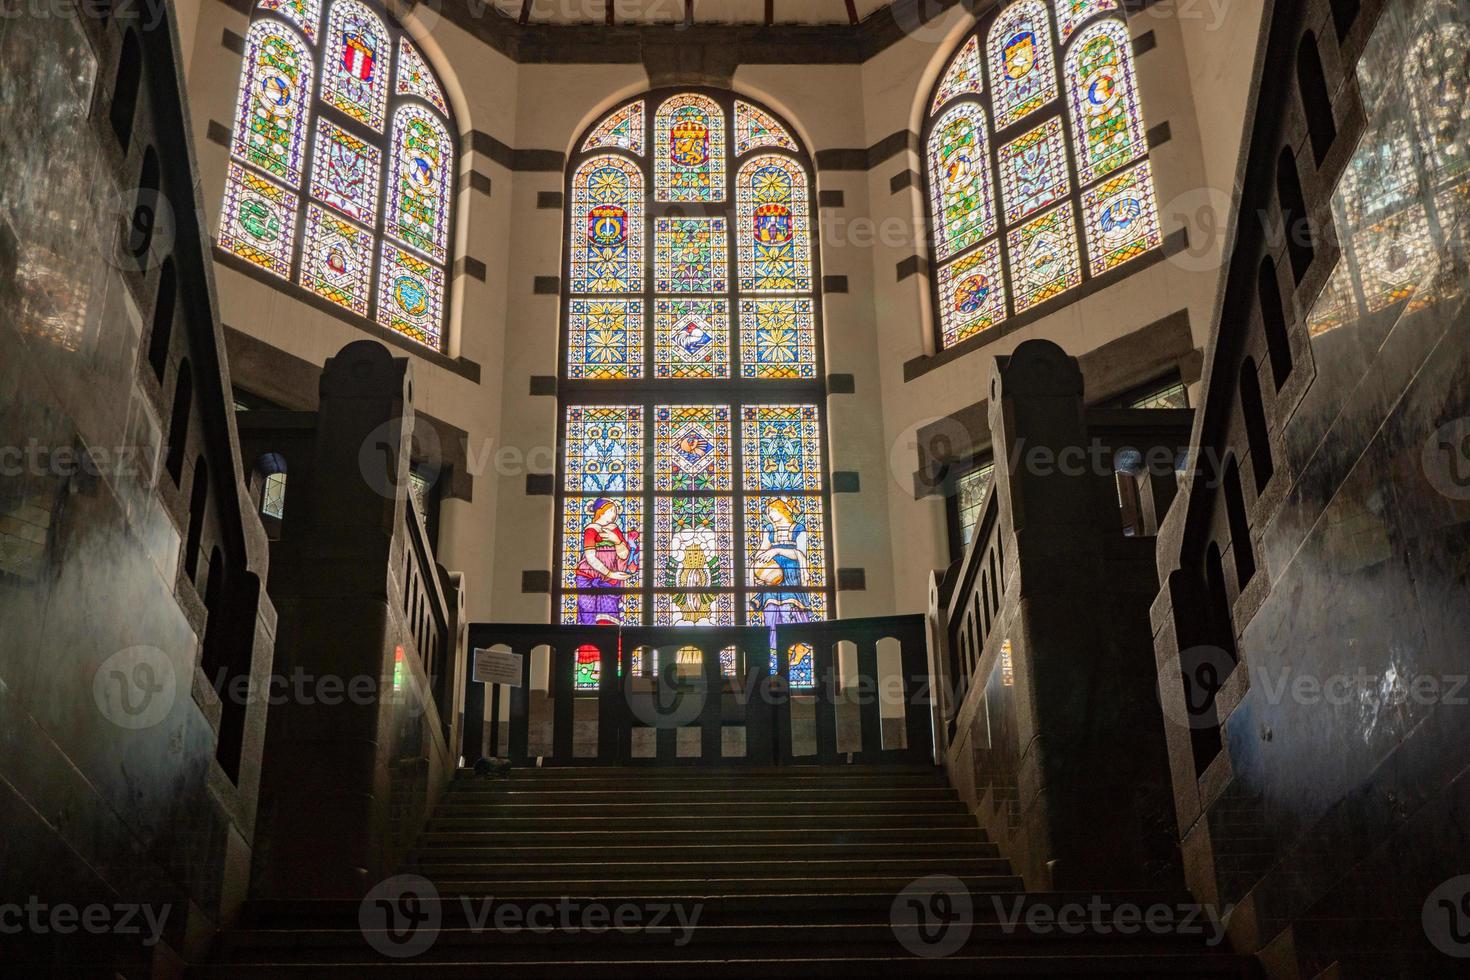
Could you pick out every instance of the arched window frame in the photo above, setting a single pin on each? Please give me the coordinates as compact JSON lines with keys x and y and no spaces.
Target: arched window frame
{"x":649,"y":390}
{"x":371,"y":301}
{"x":991,"y":257}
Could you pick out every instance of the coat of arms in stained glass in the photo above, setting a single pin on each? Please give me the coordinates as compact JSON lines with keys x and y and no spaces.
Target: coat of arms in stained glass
{"x":607,"y":226}
{"x":971,"y":294}
{"x":774,"y":240}
{"x":1022,"y":73}
{"x":410,"y":295}
{"x":358,"y":55}
{"x":689,"y":149}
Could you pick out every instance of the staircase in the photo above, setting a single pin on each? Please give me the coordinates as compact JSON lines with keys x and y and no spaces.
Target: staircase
{"x":790,"y":872}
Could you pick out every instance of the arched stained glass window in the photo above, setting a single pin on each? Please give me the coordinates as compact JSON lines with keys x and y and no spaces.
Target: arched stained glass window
{"x":347,"y":192}
{"x":1023,"y":75}
{"x":1035,"y":179}
{"x":692,"y":485}
{"x":689,"y":143}
{"x":1107,"y":123}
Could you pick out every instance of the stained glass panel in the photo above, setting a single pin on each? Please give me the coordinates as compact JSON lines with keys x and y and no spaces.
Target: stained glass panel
{"x":691,"y":255}
{"x":778,"y":339}
{"x":695,"y":609}
{"x":784,"y":546}
{"x":1071,"y":13}
{"x":772,"y":608}
{"x":357,"y":55}
{"x":305,"y":14}
{"x":1022,"y":75}
{"x":959,"y":179}
{"x":1106,"y":120}
{"x":1394,"y":255}
{"x":801,"y":663}
{"x":345,"y":172}
{"x":755,"y":128}
{"x":270,"y":111}
{"x":604,"y":448}
{"x":971,"y":295}
{"x":602,"y":544}
{"x":1120,"y":219}
{"x":781,"y":447}
{"x":689,"y":154}
{"x":602,"y":608}
{"x":588,"y":670}
{"x":1044,"y":258}
{"x":1033,"y":170}
{"x":337,"y":262}
{"x":605,"y":339}
{"x":623,"y":130}
{"x":259,"y":221}
{"x":418,"y":200}
{"x":607,"y":226}
{"x":774,"y":237}
{"x":691,"y":338}
{"x":694,"y":544}
{"x":410,"y":295}
{"x":692,"y":447}
{"x":415,"y":78}
{"x":963,"y":77}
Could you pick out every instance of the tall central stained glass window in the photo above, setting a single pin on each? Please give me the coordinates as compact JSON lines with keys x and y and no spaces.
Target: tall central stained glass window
{"x":1036,"y":168}
{"x":693,"y":480}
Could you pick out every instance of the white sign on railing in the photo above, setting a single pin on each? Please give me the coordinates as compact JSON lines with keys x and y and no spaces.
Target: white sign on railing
{"x":498,"y":667}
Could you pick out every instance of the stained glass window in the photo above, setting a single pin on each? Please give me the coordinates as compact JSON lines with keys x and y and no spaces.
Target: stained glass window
{"x":1121,"y":220}
{"x":959,"y":179}
{"x":259,"y":222}
{"x":589,"y":667}
{"x":358,"y":53}
{"x":604,"y":448}
{"x":963,"y":77}
{"x":778,"y":339}
{"x":271,"y":112}
{"x":691,"y":338}
{"x":607,"y":226}
{"x":774,"y":240}
{"x":345,"y":171}
{"x":689,"y":147}
{"x":337,"y":260}
{"x":418,"y":211}
{"x":1022,"y":70}
{"x":971,"y":296}
{"x":1069,"y":153}
{"x":1071,"y":13}
{"x":1044,"y":257}
{"x":691,"y":255}
{"x":755,"y":128}
{"x":801,"y":665}
{"x":1107,"y":124}
{"x":692,"y":447}
{"x":623,"y":130}
{"x":729,"y":471}
{"x":605,"y":338}
{"x":337,"y":158}
{"x":415,"y":78}
{"x":782,"y":447}
{"x":1033,"y":170}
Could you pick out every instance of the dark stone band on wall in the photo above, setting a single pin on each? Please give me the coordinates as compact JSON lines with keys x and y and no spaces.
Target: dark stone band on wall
{"x":846,"y":481}
{"x":535,"y":581}
{"x":852,"y":579}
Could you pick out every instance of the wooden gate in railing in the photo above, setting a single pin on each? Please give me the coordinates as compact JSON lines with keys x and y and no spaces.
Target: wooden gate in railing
{"x":842,"y":691}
